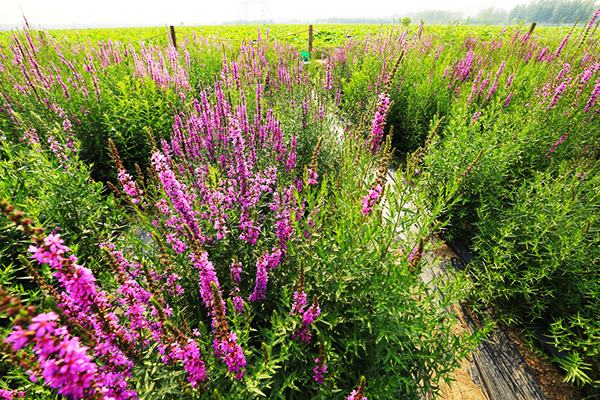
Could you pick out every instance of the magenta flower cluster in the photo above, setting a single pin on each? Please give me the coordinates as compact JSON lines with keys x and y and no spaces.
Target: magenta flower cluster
{"x":369,"y":200}
{"x":225,"y":342}
{"x":261,"y":279}
{"x":11,"y":394}
{"x":378,"y":123}
{"x":64,"y":362}
{"x":557,"y":143}
{"x":313,"y":176}
{"x":299,"y":302}
{"x":88,"y":305}
{"x":129,"y":186}
{"x":31,"y":137}
{"x":319,"y":371}
{"x":414,"y":252}
{"x":190,"y":357}
{"x":236,"y":298}
{"x":231,"y":353}
{"x":593,"y":97}
{"x":328,"y":84}
{"x":356,"y":396}
{"x":308,"y":317}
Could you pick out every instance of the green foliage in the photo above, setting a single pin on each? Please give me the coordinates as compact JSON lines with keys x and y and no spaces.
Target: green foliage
{"x":358,"y":88}
{"x":131,"y":105}
{"x":539,"y":256}
{"x":63,"y":200}
{"x":384,"y":334}
{"x":526,"y":168}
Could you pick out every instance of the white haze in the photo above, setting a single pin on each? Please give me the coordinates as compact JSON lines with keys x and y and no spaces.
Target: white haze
{"x":112,"y":13}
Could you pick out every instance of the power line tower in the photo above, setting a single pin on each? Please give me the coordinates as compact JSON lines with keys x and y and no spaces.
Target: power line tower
{"x":254,"y":11}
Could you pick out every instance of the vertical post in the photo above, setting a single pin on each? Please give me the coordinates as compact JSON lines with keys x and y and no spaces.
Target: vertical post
{"x":310,"y":39}
{"x":173,"y":38}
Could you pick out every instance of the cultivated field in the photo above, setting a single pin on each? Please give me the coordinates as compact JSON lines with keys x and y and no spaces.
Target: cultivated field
{"x":216,"y":219}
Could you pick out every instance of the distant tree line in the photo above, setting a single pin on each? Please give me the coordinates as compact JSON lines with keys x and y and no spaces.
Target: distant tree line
{"x":543,"y":12}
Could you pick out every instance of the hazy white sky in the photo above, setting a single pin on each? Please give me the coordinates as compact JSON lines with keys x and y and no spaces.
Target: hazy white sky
{"x":174,"y":12}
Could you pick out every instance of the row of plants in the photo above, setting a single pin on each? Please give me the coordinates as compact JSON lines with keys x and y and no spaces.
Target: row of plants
{"x":526,"y":110}
{"x":520,"y":113}
{"x":274,"y":266}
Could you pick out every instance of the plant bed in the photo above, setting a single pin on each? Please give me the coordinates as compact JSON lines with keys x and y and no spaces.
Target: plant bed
{"x":534,"y":342}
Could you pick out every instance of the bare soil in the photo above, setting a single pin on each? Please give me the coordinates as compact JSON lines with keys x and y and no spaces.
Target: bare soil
{"x":549,"y":376}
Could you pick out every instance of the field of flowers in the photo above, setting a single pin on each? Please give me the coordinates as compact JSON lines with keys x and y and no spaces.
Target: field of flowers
{"x":218,"y":220}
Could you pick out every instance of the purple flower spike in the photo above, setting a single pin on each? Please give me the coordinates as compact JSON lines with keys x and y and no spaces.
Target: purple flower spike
{"x":371,"y":199}
{"x":236,"y":298}
{"x":11,"y":394}
{"x":355,"y":396}
{"x":65,"y":364}
{"x":299,"y":303}
{"x":313,"y":312}
{"x":379,"y":122}
{"x":261,"y":279}
{"x":319,"y":371}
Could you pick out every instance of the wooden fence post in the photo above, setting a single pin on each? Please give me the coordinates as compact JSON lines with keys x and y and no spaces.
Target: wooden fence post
{"x":310,"y":38}
{"x":173,"y":38}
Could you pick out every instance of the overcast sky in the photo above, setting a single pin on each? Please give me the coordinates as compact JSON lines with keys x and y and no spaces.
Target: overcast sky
{"x":82,"y":13}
